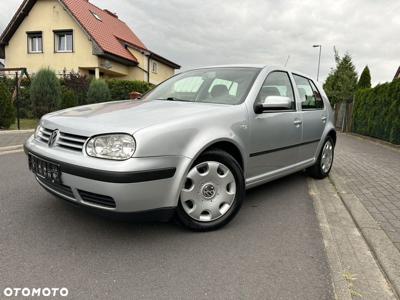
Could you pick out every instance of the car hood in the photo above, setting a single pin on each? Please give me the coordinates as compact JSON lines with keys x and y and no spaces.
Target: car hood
{"x":124,"y":116}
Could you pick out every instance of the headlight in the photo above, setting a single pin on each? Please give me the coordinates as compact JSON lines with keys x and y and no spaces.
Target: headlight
{"x":111,"y":146}
{"x":37,"y":131}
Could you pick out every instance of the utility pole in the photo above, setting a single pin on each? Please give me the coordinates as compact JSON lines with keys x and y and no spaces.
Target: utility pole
{"x":319,"y":58}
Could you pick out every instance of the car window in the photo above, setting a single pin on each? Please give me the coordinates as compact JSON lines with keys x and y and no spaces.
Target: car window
{"x":276,"y":84}
{"x":211,"y":85}
{"x":187,"y":88}
{"x":231,"y":85}
{"x":310,"y":97}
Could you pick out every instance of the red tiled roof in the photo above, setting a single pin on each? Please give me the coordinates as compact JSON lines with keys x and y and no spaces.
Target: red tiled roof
{"x":110,"y":34}
{"x":107,"y":33}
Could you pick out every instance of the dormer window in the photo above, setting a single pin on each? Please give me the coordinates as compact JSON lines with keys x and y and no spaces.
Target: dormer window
{"x":96,"y":16}
{"x":35,"y":42}
{"x":63,"y":41}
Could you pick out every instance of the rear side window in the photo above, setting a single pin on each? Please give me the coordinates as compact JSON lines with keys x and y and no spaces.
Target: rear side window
{"x":310,"y":97}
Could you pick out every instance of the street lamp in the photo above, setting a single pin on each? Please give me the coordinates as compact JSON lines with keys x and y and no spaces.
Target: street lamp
{"x":319,"y":58}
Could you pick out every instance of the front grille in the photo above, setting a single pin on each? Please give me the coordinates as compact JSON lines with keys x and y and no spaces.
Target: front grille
{"x":71,"y":141}
{"x":97,"y":199}
{"x":59,"y":188}
{"x":65,"y":140}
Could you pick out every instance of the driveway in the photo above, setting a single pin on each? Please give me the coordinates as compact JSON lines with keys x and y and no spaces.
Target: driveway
{"x":272,"y":250}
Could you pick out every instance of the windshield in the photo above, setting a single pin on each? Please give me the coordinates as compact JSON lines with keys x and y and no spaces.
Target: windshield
{"x":214,"y":85}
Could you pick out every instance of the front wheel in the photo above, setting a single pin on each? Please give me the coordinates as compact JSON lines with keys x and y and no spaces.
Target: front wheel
{"x":213,"y":192}
{"x":324,"y":163}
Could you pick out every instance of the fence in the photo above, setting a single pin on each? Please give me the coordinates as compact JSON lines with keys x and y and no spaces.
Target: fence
{"x":343,"y":116}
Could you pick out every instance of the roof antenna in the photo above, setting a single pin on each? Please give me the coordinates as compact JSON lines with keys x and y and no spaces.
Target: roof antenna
{"x":287,"y":60}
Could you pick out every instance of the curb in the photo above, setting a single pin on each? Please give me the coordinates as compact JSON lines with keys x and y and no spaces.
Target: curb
{"x":374,"y":140}
{"x":355,"y":272}
{"x":16,"y":131}
{"x":386,"y":253}
{"x":339,"y":284}
{"x":11,"y":149}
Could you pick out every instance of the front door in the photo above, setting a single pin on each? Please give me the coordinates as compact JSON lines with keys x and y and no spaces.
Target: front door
{"x":275,"y":135}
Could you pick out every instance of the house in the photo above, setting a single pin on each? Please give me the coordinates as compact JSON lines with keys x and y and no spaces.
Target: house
{"x":397,"y":75}
{"x":77,"y":36}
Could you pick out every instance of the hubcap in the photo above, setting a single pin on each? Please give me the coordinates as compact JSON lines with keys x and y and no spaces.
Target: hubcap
{"x":209,"y":191}
{"x":327,"y":157}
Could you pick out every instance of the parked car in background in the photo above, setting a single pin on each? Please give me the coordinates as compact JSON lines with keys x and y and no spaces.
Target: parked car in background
{"x":190,"y":147}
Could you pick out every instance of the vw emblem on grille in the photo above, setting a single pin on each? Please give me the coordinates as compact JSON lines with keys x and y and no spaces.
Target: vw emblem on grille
{"x":53,"y":137}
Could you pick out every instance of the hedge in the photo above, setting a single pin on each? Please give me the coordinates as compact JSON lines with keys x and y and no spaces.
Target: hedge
{"x":7,"y":111}
{"x":120,"y":89}
{"x":376,"y":112}
{"x":98,"y":92}
{"x":73,"y":92}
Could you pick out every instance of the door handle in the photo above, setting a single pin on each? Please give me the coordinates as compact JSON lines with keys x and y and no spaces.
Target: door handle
{"x":323,"y":118}
{"x":297,"y":122}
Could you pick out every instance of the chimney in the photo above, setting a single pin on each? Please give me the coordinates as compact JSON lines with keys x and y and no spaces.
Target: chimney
{"x":111,"y":13}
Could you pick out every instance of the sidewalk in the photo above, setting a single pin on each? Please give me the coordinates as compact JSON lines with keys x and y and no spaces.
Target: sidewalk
{"x":12,"y":138}
{"x":366,"y":176}
{"x":372,"y":172}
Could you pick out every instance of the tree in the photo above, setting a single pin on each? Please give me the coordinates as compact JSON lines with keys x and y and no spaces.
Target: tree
{"x":45,"y":92}
{"x":7,"y":110}
{"x":365,"y":79}
{"x":98,"y":92}
{"x":341,"y":83}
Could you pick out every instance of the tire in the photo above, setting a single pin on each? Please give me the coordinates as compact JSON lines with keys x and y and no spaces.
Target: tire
{"x":213,"y":192}
{"x":323,"y":166}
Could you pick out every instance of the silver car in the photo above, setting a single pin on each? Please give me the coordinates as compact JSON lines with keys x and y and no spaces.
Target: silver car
{"x":190,"y":147}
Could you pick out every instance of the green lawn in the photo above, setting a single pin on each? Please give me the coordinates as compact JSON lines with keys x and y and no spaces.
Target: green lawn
{"x":25,"y":124}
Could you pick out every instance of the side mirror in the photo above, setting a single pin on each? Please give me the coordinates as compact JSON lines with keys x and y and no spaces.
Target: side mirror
{"x":274,"y":103}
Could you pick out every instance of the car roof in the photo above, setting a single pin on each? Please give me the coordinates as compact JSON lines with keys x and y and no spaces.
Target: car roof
{"x":258,"y":66}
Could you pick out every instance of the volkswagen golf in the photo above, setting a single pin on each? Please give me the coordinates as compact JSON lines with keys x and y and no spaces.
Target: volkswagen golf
{"x":190,"y":147}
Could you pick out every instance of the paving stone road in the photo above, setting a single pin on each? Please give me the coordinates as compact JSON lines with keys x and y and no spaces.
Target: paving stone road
{"x":372,"y":172}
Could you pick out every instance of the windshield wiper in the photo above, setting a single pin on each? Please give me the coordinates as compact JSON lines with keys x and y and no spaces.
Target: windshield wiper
{"x":172,"y":99}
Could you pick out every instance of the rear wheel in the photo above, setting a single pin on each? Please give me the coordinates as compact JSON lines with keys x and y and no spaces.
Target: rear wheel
{"x":324,"y":163}
{"x":213,"y":192}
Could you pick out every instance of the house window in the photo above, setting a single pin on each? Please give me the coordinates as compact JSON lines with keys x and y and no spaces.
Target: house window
{"x":154,"y":67}
{"x":63,"y":41}
{"x":35,"y":42}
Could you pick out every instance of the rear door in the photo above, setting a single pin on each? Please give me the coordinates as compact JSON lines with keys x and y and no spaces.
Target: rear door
{"x":275,"y":135}
{"x":314,"y":115}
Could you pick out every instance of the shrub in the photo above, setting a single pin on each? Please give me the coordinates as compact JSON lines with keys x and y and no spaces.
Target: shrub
{"x":120,"y":89}
{"x":45,"y":92}
{"x":25,"y":106}
{"x":98,"y":92}
{"x":68,"y":98}
{"x":77,"y":83}
{"x":376,"y":112}
{"x":7,"y":110}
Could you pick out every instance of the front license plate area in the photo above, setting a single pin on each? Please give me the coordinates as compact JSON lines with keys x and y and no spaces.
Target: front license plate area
{"x":45,"y":169}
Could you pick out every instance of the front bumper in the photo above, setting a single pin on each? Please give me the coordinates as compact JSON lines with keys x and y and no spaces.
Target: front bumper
{"x":134,"y":185}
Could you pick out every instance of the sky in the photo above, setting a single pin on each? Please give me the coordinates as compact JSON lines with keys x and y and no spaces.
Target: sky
{"x":196,"y":33}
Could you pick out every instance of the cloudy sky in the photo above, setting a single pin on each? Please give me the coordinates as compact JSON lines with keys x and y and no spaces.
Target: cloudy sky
{"x":196,"y":33}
